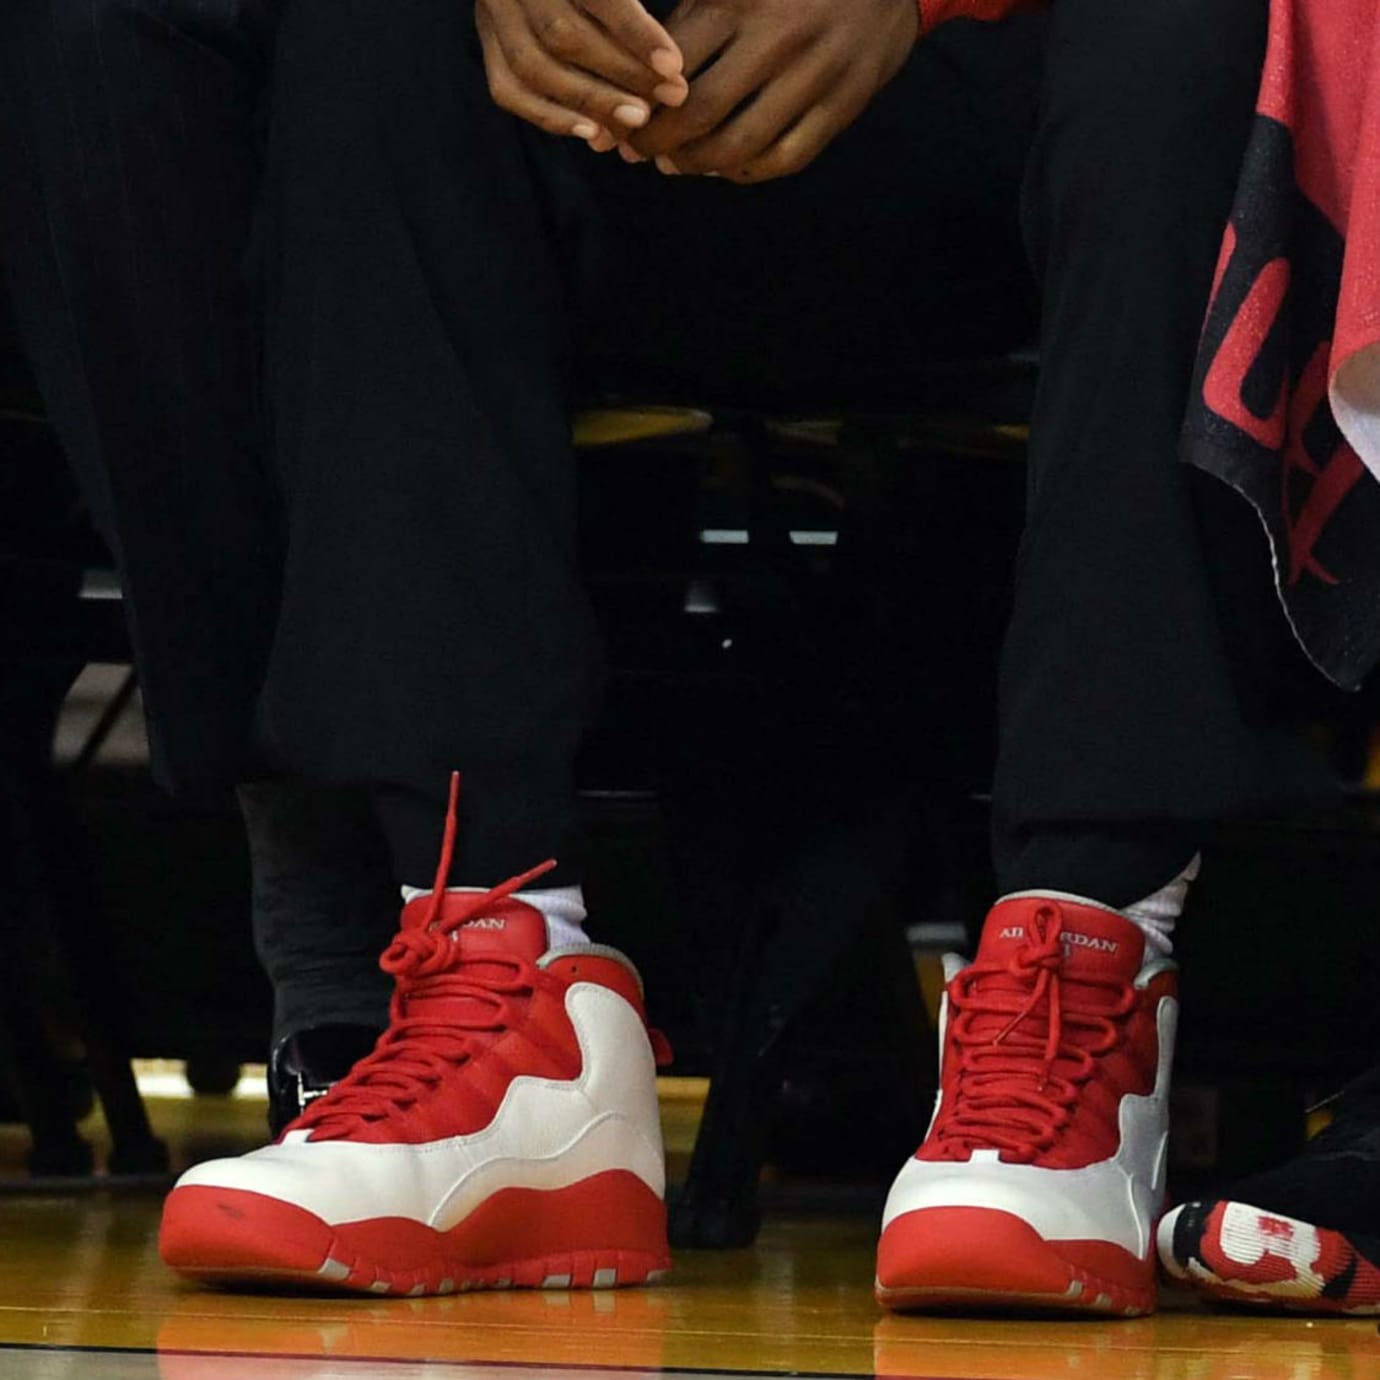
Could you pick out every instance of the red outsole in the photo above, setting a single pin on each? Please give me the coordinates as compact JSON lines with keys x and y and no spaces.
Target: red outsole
{"x":606,"y":1231}
{"x":984,"y":1260}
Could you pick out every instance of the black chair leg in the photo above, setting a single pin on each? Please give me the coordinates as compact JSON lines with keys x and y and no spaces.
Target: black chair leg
{"x":717,"y":1205}
{"x":33,"y":1066}
{"x":827,"y":902}
{"x":38,"y":1078}
{"x":67,"y":879}
{"x":49,"y":878}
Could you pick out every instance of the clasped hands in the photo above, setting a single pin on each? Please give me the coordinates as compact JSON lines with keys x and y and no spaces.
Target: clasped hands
{"x":744,"y":89}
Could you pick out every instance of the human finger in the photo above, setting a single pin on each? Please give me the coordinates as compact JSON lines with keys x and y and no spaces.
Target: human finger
{"x":700,"y":29}
{"x":746,"y":66}
{"x":800,"y":145}
{"x":751,"y":129}
{"x":539,"y":63}
{"x":509,"y":93}
{"x":566,"y":33}
{"x":559,"y":82}
{"x":630,"y":25}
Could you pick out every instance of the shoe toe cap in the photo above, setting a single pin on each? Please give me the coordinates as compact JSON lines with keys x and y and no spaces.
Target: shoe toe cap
{"x":987,"y":1258}
{"x":217,"y":1231}
{"x":973,"y":1250}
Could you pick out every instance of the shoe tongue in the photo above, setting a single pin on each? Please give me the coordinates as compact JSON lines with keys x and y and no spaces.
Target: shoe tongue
{"x":482,"y":936}
{"x":501,"y":929}
{"x":461,"y":996}
{"x":1096,"y":942}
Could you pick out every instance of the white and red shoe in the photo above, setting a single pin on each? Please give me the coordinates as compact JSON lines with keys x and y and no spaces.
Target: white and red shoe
{"x":1301,"y":1237}
{"x":1042,"y":1174}
{"x":504,"y":1132}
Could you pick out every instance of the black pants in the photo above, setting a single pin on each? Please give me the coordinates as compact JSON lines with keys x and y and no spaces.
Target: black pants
{"x":387,"y":589}
{"x":1144,"y":616}
{"x":127,"y":141}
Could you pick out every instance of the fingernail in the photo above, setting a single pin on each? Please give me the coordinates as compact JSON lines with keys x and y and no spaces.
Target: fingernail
{"x":635,"y":116}
{"x":671,"y":93}
{"x":585,"y":130}
{"x":629,"y":154}
{"x":667,"y":62}
{"x":665,"y":165}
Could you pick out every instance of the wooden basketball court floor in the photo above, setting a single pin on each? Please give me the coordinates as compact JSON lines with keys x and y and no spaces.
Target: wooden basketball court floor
{"x":83,"y":1296}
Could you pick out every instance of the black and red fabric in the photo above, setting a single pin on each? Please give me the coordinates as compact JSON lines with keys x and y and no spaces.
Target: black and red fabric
{"x":1286,"y":402}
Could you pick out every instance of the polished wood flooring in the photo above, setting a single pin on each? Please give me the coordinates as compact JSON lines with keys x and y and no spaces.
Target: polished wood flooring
{"x":83,"y":1296}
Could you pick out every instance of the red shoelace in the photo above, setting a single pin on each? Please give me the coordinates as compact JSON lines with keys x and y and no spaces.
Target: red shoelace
{"x":1027,"y":1037}
{"x":420,"y":1048}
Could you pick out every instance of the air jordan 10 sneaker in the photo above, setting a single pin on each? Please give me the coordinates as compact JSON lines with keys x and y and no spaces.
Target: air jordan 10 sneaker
{"x":1041,"y":1176}
{"x":503,"y":1133}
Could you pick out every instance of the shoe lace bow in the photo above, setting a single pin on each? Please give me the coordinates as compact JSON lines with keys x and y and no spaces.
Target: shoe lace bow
{"x":443,"y":1005}
{"x":1027,"y":1037}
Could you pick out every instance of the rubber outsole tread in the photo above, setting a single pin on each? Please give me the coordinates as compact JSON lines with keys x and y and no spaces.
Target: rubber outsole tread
{"x":602,"y":1232}
{"x":575,"y":1270}
{"x":1094,"y":1297}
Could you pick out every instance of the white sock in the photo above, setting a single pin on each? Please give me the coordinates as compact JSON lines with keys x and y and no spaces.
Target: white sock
{"x":562,"y":907}
{"x":1156,"y":913}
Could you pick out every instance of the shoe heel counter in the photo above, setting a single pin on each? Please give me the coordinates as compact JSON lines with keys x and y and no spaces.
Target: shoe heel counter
{"x":619,"y":1075}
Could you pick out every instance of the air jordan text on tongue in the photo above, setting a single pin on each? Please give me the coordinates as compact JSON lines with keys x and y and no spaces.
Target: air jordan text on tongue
{"x":1042,"y":1174}
{"x":503,"y":1133}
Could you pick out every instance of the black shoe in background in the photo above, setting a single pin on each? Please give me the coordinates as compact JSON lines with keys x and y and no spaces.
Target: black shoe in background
{"x":304,"y":1066}
{"x":1303,"y":1237}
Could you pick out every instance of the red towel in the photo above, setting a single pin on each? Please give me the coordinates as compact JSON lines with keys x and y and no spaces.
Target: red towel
{"x":1286,"y":403}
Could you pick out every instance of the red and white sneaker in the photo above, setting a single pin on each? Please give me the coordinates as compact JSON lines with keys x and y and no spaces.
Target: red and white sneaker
{"x":504,"y":1132}
{"x":1042,"y":1174}
{"x":1301,"y":1237}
